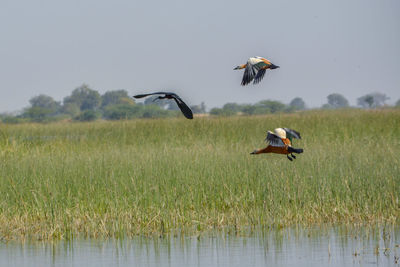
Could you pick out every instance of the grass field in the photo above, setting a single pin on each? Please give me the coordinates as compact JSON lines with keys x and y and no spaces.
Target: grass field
{"x":115,"y":179}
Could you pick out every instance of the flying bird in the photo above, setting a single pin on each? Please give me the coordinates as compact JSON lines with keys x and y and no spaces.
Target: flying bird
{"x":168,"y":95}
{"x":255,"y":69}
{"x":280,"y":142}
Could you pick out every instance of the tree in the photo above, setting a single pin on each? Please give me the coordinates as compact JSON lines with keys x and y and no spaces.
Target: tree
{"x":271,"y":106}
{"x":42,"y":108}
{"x":87,"y":115}
{"x":337,"y":101}
{"x":203,"y":107}
{"x":372,"y":100}
{"x":397,"y":103}
{"x":37,"y":114}
{"x":84,"y":97}
{"x":115,"y":98}
{"x":71,"y":109}
{"x":297,"y":103}
{"x":199,"y":109}
{"x":44,"y":101}
{"x":232,"y":107}
{"x":249,"y":109}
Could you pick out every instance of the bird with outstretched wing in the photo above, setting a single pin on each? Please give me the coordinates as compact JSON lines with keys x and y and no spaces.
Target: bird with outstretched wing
{"x":187,"y":112}
{"x":280,"y":142}
{"x":254,"y":69}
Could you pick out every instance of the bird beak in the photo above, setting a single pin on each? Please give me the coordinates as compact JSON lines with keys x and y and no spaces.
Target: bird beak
{"x":274,"y":67}
{"x":254,"y":152}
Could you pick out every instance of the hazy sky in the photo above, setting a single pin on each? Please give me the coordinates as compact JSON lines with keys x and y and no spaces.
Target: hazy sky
{"x":191,"y":47}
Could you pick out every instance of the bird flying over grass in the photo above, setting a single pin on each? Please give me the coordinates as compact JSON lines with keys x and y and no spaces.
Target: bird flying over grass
{"x":280,"y":142}
{"x":168,"y":95}
{"x":255,"y":69}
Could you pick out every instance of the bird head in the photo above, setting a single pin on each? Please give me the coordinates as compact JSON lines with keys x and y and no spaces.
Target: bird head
{"x":240,"y":67}
{"x":273,"y":67}
{"x":280,"y":132}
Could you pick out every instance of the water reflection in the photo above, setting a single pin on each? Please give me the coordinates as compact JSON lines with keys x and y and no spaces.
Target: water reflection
{"x":342,"y":246}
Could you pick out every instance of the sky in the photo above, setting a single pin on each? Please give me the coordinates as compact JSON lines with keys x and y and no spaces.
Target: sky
{"x":351,"y":47}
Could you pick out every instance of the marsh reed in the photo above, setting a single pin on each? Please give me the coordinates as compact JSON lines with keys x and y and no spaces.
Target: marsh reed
{"x":124,"y":178}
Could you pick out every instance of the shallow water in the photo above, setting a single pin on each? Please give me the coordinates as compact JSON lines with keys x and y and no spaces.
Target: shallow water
{"x":267,"y":247}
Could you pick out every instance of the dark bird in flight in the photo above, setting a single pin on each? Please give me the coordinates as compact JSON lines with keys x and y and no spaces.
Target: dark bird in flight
{"x":168,"y":95}
{"x":280,"y":142}
{"x":255,"y":69}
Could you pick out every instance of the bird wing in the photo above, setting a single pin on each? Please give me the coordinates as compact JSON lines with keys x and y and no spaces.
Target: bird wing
{"x":255,"y":69}
{"x":266,"y":61}
{"x":249,"y":74}
{"x":182,"y":105}
{"x":184,"y":108}
{"x":156,"y":93}
{"x":290,"y":133}
{"x":259,"y":76}
{"x":142,"y":95}
{"x":274,"y":140}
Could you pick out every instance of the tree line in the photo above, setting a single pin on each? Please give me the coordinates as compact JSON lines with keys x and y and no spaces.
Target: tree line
{"x":86,"y":104}
{"x":334,"y":101}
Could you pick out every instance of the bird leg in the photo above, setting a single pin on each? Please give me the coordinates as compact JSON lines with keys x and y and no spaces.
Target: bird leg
{"x":293,"y":155}
{"x":289,"y":158}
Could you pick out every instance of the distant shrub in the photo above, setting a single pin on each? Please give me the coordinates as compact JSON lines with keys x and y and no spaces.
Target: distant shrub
{"x":233,"y":107}
{"x":13,"y":119}
{"x":87,"y":115}
{"x":297,"y":103}
{"x":327,"y":106}
{"x":271,"y":106}
{"x":37,"y":114}
{"x":123,"y":111}
{"x":153,"y":111}
{"x":222,"y":112}
{"x":249,"y":109}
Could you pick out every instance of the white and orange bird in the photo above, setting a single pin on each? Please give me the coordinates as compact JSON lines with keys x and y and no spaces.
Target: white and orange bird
{"x":280,"y":142}
{"x":255,"y":69}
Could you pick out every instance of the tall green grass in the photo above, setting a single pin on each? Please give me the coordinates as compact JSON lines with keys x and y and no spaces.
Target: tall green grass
{"x":115,"y":179}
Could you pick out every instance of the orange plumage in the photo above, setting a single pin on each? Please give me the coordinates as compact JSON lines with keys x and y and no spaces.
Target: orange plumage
{"x":280,"y":143}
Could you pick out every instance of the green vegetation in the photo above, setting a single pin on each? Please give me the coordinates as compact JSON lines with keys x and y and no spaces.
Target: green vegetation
{"x":336,"y":101}
{"x":262,"y":107}
{"x":85,"y":104}
{"x":122,"y":178}
{"x":372,"y":100}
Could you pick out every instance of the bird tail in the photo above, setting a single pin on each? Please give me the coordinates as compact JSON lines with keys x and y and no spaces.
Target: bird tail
{"x":295,"y":150}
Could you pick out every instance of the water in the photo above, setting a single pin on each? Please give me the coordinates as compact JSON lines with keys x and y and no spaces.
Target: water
{"x":287,"y":247}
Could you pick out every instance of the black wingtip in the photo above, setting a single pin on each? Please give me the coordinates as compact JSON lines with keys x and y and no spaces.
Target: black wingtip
{"x":188,"y":114}
{"x":140,"y":96}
